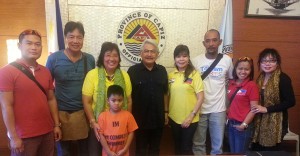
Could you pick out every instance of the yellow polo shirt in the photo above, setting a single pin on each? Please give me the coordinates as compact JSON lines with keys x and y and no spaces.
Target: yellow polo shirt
{"x":90,"y":85}
{"x":183,"y":96}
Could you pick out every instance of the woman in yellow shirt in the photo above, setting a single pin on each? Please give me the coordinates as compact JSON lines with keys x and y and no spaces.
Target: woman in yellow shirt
{"x":186,"y":97}
{"x":95,"y":86}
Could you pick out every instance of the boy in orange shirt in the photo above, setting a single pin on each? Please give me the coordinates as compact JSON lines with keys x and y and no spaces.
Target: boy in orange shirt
{"x":117,"y":126}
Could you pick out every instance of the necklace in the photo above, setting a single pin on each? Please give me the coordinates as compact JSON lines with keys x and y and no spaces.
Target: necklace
{"x":110,"y":77}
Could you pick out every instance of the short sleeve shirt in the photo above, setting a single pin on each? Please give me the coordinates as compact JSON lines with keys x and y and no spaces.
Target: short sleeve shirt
{"x":115,"y":128}
{"x":240,"y":105}
{"x":183,"y":95}
{"x":90,"y":85}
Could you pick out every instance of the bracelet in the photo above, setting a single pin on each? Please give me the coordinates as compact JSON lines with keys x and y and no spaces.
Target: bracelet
{"x":166,"y":111}
{"x":57,"y":125}
{"x":194,"y":113}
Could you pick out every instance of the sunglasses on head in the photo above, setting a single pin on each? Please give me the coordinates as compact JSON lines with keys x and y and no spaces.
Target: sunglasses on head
{"x":29,"y":32}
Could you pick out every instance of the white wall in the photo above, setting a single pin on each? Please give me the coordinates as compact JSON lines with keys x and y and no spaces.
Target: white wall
{"x":185,"y":22}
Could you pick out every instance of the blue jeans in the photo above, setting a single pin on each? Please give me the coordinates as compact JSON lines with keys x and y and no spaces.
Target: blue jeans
{"x":216,"y":124}
{"x":239,"y":140}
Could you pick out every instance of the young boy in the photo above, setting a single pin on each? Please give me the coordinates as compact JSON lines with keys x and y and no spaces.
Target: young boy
{"x":117,"y":126}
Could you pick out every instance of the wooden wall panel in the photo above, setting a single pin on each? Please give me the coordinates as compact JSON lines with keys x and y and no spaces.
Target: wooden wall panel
{"x":18,"y":15}
{"x":252,"y":35}
{"x":263,"y":30}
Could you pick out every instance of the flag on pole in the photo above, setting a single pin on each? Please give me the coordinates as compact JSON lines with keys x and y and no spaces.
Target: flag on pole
{"x":226,"y":30}
{"x":55,"y":36}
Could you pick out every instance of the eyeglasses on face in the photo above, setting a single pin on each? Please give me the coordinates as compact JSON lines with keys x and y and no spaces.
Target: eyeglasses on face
{"x":265,"y":61}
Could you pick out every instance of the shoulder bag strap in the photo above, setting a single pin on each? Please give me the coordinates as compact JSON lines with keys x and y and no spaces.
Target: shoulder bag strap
{"x":212,"y":66}
{"x":85,"y":64}
{"x":233,"y":95}
{"x":29,"y":75}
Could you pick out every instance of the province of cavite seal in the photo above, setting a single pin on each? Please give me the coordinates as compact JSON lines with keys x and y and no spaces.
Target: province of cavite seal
{"x":134,"y":29}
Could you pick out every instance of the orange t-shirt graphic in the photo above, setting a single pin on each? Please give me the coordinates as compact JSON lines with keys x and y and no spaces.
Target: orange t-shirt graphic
{"x":115,"y":128}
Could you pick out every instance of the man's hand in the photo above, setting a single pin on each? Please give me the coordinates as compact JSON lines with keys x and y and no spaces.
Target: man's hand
{"x":16,"y":145}
{"x":57,"y":133}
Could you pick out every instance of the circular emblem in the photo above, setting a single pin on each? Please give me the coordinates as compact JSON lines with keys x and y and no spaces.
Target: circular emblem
{"x":134,"y":29}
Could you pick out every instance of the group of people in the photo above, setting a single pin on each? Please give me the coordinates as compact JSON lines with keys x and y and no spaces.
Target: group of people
{"x":95,"y":107}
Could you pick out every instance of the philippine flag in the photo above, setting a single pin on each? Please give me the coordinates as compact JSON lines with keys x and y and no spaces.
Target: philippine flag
{"x":188,"y":81}
{"x":55,"y":36}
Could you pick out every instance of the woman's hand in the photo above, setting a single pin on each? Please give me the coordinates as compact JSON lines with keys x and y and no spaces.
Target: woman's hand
{"x":186,"y":123}
{"x":258,"y":109}
{"x":166,"y":119}
{"x":96,"y":128}
{"x":239,"y":127}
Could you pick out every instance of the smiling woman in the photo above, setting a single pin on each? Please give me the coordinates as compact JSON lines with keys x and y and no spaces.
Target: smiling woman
{"x":186,"y":97}
{"x":95,"y":85}
{"x":242,"y":94}
{"x":276,"y":97}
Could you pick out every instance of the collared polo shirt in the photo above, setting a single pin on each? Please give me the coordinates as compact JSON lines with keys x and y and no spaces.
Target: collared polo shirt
{"x":183,"y":95}
{"x":240,"y":105}
{"x":30,"y":105}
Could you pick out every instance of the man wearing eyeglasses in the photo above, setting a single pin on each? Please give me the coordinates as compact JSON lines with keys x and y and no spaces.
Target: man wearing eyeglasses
{"x":68,"y":68}
{"x":149,"y":94}
{"x":213,"y":111}
{"x":27,"y":100}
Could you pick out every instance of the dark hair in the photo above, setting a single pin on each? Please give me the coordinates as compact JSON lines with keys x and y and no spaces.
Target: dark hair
{"x":71,"y":26}
{"x":243,"y":59}
{"x":115,"y":90}
{"x":183,"y":49}
{"x":107,"y":47}
{"x":29,"y":32}
{"x":266,"y":52}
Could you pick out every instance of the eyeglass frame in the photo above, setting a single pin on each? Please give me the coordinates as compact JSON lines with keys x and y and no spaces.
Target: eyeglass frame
{"x":271,"y":61}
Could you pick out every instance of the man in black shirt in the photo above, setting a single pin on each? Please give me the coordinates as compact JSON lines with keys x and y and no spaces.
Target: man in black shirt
{"x":149,"y":99}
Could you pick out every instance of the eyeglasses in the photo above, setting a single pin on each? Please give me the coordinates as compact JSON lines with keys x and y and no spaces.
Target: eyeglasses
{"x":29,"y":32}
{"x":268,"y":61}
{"x":245,"y":59}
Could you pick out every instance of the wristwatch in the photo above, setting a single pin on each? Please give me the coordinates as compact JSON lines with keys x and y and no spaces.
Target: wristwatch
{"x":245,"y":125}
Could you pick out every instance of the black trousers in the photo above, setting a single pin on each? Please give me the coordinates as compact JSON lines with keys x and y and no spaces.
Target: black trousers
{"x":183,"y":137}
{"x":148,"y":141}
